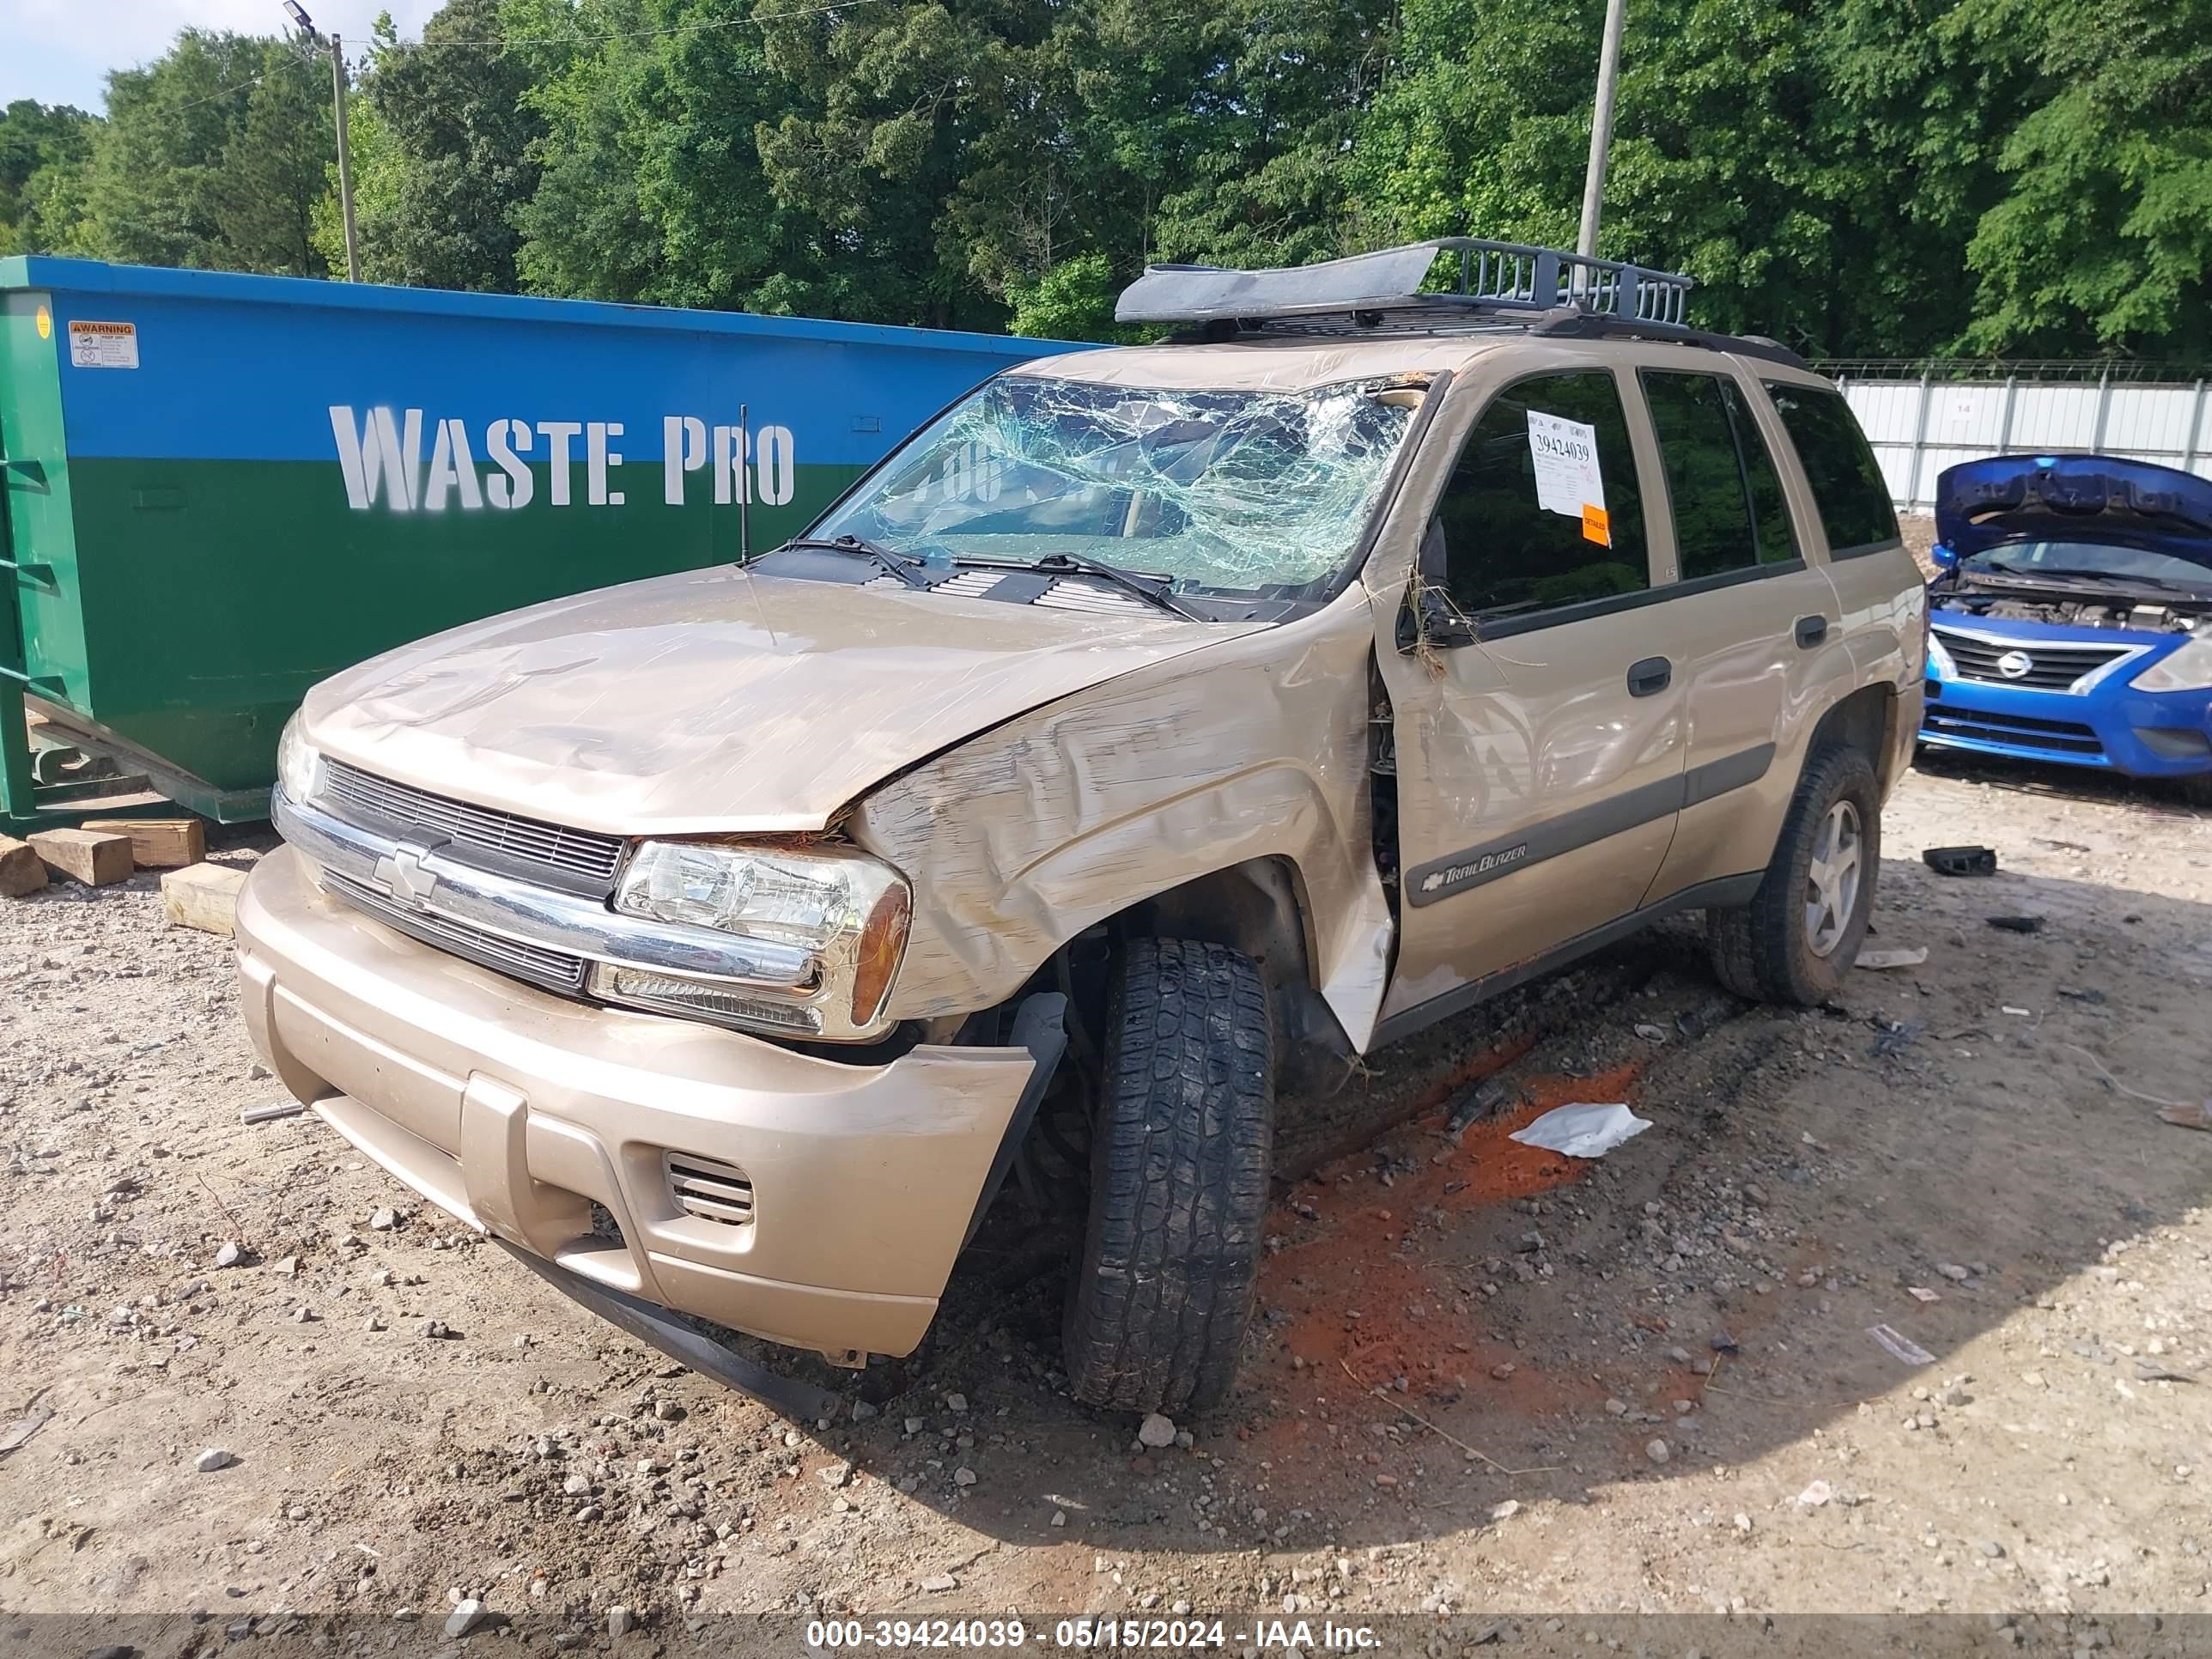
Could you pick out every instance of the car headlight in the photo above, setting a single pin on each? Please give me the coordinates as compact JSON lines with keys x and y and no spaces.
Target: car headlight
{"x":1939,"y":659}
{"x":2189,"y":668}
{"x":299,"y":764}
{"x":847,"y":911}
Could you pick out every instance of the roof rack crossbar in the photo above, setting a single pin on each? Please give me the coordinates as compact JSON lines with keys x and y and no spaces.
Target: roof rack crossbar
{"x":1492,"y":275}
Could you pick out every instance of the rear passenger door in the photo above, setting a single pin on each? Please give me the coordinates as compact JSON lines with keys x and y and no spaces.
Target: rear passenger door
{"x":1751,"y":622}
{"x":1538,"y":764}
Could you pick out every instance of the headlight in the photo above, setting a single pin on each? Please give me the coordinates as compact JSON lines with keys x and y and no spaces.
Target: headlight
{"x":848,"y":911}
{"x":299,"y":764}
{"x":1939,"y":659}
{"x":2189,"y":668}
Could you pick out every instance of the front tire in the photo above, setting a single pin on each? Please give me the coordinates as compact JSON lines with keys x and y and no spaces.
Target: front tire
{"x":1802,"y":931}
{"x":1158,"y":1308}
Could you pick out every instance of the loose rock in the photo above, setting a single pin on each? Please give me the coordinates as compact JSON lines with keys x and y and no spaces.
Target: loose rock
{"x":465,"y":1617}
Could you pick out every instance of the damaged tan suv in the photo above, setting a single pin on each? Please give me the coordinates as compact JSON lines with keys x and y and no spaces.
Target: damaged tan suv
{"x":720,"y":942}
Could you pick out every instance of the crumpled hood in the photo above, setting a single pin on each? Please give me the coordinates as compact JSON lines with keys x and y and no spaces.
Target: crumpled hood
{"x":716,"y":700}
{"x":2100,"y":499}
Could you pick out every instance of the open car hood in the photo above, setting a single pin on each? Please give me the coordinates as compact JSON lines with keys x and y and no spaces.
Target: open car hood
{"x":2011,"y":499}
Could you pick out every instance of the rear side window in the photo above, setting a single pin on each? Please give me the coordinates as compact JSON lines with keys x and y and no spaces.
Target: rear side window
{"x":1729,"y":513}
{"x":1839,"y":464}
{"x":1520,"y":530}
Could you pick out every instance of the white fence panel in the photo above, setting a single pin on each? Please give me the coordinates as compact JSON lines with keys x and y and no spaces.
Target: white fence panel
{"x":1920,"y":425}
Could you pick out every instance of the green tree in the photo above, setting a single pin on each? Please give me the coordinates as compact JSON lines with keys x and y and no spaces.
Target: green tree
{"x":214,"y":155}
{"x":44,"y":149}
{"x":2103,"y":240}
{"x":445,"y":158}
{"x":1818,"y":170}
{"x":273,"y":172}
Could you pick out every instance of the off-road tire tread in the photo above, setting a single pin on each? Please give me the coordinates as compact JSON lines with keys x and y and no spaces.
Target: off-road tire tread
{"x":1759,"y":950}
{"x":1179,"y":1162}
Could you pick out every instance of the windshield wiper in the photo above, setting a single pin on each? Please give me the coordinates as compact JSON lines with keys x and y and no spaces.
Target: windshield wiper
{"x":1153,"y":590}
{"x":898,"y":564}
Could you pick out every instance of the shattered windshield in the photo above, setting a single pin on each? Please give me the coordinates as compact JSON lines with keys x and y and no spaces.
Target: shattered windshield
{"x":1214,"y":490}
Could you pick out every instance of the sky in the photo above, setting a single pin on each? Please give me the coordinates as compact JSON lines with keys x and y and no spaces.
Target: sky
{"x":59,"y":51}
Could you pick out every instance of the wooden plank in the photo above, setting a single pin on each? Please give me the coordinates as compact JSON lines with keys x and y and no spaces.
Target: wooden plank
{"x":85,"y":855}
{"x":21,"y":869}
{"x":157,"y":843}
{"x":204,"y":896}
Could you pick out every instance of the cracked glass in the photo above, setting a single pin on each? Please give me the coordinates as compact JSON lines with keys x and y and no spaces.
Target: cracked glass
{"x":1216,"y":490}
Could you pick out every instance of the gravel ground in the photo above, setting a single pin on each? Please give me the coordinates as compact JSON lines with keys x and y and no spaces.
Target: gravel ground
{"x":1500,"y":1395}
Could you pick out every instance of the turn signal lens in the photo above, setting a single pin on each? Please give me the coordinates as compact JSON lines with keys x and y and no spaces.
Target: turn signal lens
{"x":876,"y":957}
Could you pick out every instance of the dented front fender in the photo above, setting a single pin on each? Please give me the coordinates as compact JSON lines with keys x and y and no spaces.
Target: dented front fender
{"x":1254,"y":747}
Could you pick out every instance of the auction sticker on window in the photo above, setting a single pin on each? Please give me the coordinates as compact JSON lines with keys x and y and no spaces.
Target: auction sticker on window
{"x":109,"y":345}
{"x":1567,"y":476}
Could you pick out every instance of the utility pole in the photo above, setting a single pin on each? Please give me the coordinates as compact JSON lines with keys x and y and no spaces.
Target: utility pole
{"x":1609,"y":73}
{"x":299,"y":15}
{"x":345,"y":157}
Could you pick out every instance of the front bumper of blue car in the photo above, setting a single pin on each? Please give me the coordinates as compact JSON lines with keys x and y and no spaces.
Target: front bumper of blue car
{"x":2100,"y":719}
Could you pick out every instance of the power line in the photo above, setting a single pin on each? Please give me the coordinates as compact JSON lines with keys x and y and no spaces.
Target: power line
{"x":251,"y":81}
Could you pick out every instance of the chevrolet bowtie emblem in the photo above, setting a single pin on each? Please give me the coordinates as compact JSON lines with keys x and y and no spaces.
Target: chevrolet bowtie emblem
{"x":403,"y":875}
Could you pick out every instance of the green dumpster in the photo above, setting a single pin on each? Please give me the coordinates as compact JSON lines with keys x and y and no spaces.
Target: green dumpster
{"x":221,"y":488}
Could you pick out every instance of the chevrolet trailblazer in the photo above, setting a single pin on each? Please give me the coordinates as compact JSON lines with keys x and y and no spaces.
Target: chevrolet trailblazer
{"x":718,"y":942}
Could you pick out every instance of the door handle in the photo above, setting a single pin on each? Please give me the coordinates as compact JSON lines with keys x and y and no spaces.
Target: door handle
{"x":1811,"y":630}
{"x":1649,"y":678}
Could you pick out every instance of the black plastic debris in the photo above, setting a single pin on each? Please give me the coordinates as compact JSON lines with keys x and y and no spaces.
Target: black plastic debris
{"x":2017,"y":924}
{"x":1724,"y":1343}
{"x":1895,"y":1036}
{"x":1962,"y":860}
{"x":1481,"y":1101}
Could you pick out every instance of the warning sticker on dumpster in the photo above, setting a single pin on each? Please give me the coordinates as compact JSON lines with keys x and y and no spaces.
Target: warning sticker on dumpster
{"x":1566,"y":455}
{"x":104,"y":345}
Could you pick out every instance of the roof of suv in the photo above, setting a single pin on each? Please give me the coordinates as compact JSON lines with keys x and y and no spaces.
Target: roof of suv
{"x":1379,"y":315}
{"x":1285,"y":364}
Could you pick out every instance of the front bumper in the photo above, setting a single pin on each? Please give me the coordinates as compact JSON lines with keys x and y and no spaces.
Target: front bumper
{"x":2167,"y":734}
{"x":518,"y":1111}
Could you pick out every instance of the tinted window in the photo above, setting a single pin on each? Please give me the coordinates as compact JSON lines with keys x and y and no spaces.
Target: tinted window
{"x":1729,"y":514}
{"x":1839,"y":464}
{"x":1505,"y":551}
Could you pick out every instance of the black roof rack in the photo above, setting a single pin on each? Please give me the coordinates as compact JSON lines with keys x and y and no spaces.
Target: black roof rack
{"x":1499,"y":285}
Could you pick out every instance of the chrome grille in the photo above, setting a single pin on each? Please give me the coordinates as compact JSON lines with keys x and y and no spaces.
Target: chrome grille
{"x":555,"y":971}
{"x":2052,"y":667}
{"x":350,"y":793}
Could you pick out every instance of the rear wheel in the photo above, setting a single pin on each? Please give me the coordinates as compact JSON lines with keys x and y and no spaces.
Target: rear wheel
{"x":1796,"y":938}
{"x":1158,"y":1308}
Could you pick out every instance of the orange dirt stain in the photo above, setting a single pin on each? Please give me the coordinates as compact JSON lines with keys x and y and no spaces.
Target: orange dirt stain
{"x":1369,"y":1305}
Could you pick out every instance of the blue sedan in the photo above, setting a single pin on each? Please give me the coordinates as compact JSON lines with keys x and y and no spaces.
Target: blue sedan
{"x":2071,"y":620}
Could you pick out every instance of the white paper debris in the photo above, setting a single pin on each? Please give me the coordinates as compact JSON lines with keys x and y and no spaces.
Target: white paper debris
{"x":1900,"y":1347}
{"x":1583,"y":1130}
{"x":1898,"y":958}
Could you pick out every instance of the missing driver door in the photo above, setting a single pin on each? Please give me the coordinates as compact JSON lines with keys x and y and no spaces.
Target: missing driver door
{"x":1540,"y":766}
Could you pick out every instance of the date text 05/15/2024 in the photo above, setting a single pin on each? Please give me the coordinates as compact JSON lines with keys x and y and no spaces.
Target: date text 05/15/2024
{"x":1270,"y":1635}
